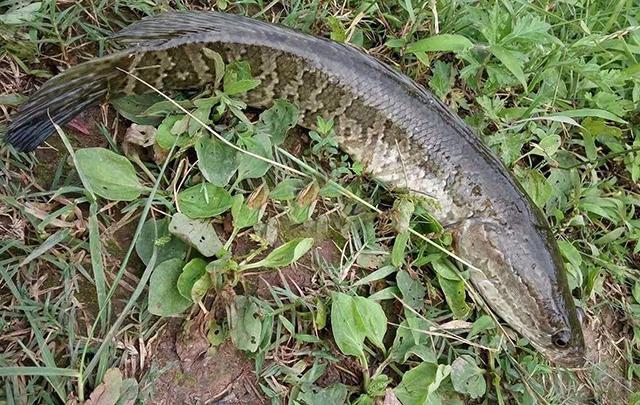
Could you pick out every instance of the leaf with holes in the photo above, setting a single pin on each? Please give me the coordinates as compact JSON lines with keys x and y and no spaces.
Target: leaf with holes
{"x":204,"y":201}
{"x":312,"y":395}
{"x":164,"y":297}
{"x":108,"y":174}
{"x":412,"y":290}
{"x":197,"y":233}
{"x":467,"y":377}
{"x":246,"y":326}
{"x":217,"y":333}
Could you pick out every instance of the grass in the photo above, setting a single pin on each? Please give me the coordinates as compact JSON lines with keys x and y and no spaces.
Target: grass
{"x":552,"y":87}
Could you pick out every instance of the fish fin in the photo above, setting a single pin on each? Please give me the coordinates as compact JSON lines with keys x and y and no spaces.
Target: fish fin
{"x":167,"y":26}
{"x":60,"y":99}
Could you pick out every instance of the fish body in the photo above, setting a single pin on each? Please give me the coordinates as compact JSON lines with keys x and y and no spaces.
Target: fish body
{"x":401,"y":133}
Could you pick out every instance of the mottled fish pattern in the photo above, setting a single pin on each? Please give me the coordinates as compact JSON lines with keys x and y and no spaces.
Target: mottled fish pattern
{"x":403,"y":135}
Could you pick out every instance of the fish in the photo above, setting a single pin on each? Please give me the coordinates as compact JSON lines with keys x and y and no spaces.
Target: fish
{"x":403,"y":135}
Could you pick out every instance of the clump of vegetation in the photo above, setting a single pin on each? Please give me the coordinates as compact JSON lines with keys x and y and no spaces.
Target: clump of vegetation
{"x":336,"y":290}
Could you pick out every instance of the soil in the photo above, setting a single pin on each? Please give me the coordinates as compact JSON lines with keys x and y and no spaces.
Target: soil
{"x":604,"y":336}
{"x":196,"y":375}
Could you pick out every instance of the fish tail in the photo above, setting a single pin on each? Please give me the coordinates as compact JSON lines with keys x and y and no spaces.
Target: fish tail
{"x":60,"y":99}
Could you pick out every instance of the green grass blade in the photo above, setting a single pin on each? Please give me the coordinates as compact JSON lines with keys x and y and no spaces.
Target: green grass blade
{"x":39,"y":371}
{"x":97,"y":263}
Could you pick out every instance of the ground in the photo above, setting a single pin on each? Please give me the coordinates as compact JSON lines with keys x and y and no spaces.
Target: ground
{"x":552,"y":87}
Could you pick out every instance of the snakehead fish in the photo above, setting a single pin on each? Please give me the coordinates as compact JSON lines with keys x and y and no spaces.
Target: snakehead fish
{"x":403,"y":135}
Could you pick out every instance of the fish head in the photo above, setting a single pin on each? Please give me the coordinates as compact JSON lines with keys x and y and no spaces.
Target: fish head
{"x":521,"y":276}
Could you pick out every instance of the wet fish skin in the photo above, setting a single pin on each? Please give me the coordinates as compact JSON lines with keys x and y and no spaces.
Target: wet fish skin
{"x":404,"y":136}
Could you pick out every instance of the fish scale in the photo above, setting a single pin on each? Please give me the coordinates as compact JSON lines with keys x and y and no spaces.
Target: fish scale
{"x":402,"y":134}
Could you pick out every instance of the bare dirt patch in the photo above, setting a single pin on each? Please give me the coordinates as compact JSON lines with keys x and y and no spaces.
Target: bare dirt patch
{"x":604,"y":335}
{"x":195,"y":374}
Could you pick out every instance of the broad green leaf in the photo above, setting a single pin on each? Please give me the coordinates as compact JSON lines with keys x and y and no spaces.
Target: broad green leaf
{"x":21,"y":13}
{"x":455,"y":296}
{"x":338,"y":32}
{"x":250,"y":167}
{"x":216,"y":161}
{"x":548,"y":146}
{"x":399,"y":247}
{"x":191,"y":273}
{"x":277,"y":120}
{"x":246,"y":326}
{"x":408,"y":342}
{"x":485,"y":322}
{"x":108,"y":174}
{"x":445,"y":269}
{"x":243,"y":216}
{"x":512,"y":60}
{"x":536,"y":185}
{"x":442,"y":79}
{"x":441,"y":43}
{"x":285,"y":254}
{"x":453,"y":289}
{"x":355,"y":318}
{"x":236,"y":71}
{"x":241,"y":86}
{"x":373,"y":318}
{"x":412,"y":290}
{"x":300,"y":213}
{"x":204,"y":201}
{"x":133,"y":108}
{"x":467,"y":377}
{"x":287,"y":189}
{"x":200,"y":287}
{"x":198,"y":117}
{"x":419,"y":385}
{"x":346,"y":326}
{"x":197,"y":233}
{"x":166,"y":136}
{"x":313,"y":395}
{"x":216,"y":334}
{"x":570,"y":252}
{"x":156,"y":233}
{"x":164,"y":297}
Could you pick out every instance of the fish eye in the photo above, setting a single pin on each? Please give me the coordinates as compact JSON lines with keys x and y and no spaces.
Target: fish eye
{"x":561,"y":338}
